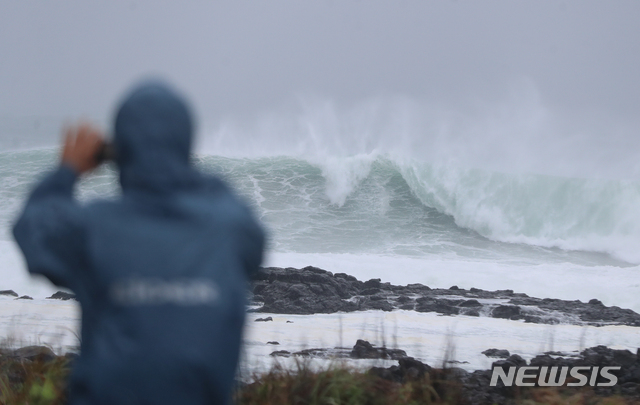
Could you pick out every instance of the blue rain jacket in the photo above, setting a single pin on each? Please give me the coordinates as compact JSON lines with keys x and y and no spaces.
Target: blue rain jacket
{"x":160,"y":273}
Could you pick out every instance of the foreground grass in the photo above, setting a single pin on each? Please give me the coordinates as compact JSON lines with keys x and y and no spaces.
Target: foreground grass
{"x":43,"y":382}
{"x":344,"y":386}
{"x":36,"y":382}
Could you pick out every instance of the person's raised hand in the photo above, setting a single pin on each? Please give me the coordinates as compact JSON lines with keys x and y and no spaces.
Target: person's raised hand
{"x":82,"y":144}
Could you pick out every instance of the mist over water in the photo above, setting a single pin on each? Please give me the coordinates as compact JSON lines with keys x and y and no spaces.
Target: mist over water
{"x":516,"y":133}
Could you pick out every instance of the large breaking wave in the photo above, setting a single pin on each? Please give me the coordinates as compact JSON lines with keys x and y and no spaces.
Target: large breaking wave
{"x":507,"y":181}
{"x":510,"y":171}
{"x":379,"y":204}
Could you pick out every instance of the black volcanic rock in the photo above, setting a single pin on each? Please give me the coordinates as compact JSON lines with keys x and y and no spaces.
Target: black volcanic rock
{"x":373,"y":283}
{"x":281,"y":353}
{"x":9,"y":292}
{"x":361,"y":350}
{"x":312,"y":290}
{"x":407,"y":369}
{"x":512,"y":361}
{"x":307,"y":291}
{"x":507,"y":312}
{"x":440,"y":306}
{"x":365,"y":350}
{"x":503,"y":354}
{"x":61,"y":295}
{"x":470,"y":303}
{"x":404,"y":299}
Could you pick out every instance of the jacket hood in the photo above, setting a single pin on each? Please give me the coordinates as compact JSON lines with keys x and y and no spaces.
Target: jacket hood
{"x":153,"y":136}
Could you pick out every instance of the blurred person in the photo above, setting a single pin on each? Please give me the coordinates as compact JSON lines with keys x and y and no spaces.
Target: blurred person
{"x":160,"y":272}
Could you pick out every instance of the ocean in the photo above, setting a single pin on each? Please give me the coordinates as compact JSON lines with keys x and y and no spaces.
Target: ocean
{"x":400,"y":215}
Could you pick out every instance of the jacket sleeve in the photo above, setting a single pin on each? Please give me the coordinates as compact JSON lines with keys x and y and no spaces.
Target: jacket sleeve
{"x":51,"y":232}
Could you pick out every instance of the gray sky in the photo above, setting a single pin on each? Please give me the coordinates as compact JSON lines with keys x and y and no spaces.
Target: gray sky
{"x":75,"y":57}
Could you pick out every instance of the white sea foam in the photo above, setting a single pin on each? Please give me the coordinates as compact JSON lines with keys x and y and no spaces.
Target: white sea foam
{"x":343,"y":175}
{"x":426,"y":336}
{"x":39,"y":322}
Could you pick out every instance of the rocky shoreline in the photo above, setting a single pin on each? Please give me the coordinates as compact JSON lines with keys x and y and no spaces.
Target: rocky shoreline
{"x":476,"y":386}
{"x":59,"y":295}
{"x":311,"y":290}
